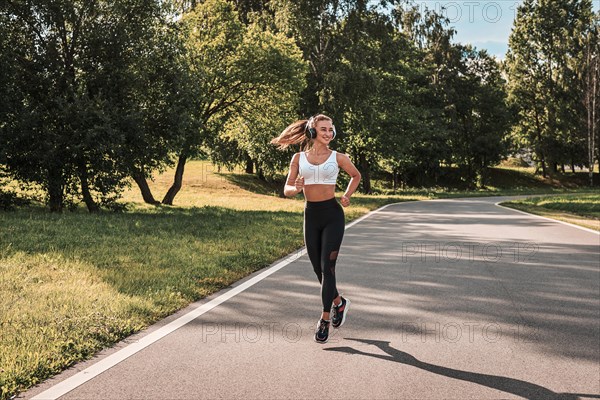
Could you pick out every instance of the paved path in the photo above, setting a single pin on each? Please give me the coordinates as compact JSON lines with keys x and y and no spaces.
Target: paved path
{"x":451,"y":299}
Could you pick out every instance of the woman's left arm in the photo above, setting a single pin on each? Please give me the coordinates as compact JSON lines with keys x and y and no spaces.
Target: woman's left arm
{"x":345,"y":163}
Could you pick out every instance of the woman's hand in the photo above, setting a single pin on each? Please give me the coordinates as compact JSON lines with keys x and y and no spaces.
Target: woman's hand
{"x":299,"y":183}
{"x":345,"y":200}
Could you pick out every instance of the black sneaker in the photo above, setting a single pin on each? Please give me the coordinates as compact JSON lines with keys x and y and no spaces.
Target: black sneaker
{"x":322,"y":332}
{"x":339,"y":313}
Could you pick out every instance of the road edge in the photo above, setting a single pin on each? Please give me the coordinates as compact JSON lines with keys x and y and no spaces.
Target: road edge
{"x":548,"y":219}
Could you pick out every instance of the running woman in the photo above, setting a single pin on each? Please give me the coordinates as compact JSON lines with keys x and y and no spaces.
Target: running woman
{"x":314,"y":171}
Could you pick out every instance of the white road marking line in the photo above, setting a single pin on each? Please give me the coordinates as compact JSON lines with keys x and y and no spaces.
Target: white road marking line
{"x":549,"y":219}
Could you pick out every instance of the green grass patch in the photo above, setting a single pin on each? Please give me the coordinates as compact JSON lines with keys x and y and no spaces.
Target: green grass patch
{"x":578,"y":208}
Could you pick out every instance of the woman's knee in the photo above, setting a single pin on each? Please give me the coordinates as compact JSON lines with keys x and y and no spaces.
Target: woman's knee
{"x":328,"y":265}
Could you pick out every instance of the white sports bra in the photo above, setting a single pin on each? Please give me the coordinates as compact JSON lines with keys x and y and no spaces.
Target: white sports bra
{"x":322,"y":174}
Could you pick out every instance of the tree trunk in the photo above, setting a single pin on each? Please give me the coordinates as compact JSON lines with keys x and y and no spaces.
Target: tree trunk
{"x":543,"y":164}
{"x":366,"y":181}
{"x":260,"y":174}
{"x":483,"y":174}
{"x":471,"y":176}
{"x":56,"y":187}
{"x":249,"y":166}
{"x":366,"y":176}
{"x":539,"y":147}
{"x":85,"y":190}
{"x":142,"y":183}
{"x":485,"y":171}
{"x":176,"y":186}
{"x":594,"y":125}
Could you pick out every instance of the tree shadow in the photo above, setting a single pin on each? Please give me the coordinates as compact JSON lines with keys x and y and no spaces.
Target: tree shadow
{"x":517,"y":387}
{"x":254,"y":184}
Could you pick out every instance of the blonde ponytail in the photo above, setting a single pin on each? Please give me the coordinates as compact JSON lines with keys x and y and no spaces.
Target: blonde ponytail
{"x":296,"y":133}
{"x":293,"y":134}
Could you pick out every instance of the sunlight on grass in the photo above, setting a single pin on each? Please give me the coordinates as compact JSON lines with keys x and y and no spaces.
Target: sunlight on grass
{"x":204,"y":185}
{"x":581,"y":209}
{"x":55,"y":312}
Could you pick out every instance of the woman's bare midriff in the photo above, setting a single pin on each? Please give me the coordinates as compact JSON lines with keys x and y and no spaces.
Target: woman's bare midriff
{"x":319,"y":192}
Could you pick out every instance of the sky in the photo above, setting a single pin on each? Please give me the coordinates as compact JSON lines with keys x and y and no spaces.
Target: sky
{"x":486,"y":24}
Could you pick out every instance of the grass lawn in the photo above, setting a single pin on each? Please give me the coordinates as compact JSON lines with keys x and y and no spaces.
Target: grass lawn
{"x":580,"y":209}
{"x":74,"y":283}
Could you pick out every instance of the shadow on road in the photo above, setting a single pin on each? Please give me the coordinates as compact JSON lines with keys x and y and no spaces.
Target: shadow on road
{"x":517,"y":387}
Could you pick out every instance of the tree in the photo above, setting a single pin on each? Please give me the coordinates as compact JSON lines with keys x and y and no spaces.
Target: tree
{"x":246,"y":134}
{"x":79,"y":93}
{"x":479,"y":118}
{"x":590,"y":74}
{"x":230,"y":66}
{"x":463,"y":115}
{"x":374,"y":87}
{"x":315,"y":26}
{"x":545,"y":47}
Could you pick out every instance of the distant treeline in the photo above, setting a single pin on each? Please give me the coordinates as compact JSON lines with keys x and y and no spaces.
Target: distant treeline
{"x":97,"y":93}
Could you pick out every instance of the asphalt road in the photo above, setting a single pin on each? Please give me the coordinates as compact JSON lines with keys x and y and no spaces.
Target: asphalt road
{"x":451,"y":299}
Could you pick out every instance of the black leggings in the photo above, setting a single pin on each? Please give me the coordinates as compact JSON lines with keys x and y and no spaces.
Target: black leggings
{"x":323,"y":234}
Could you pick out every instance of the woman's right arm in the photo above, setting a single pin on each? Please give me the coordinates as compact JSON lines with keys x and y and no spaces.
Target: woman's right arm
{"x":294,"y":183}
